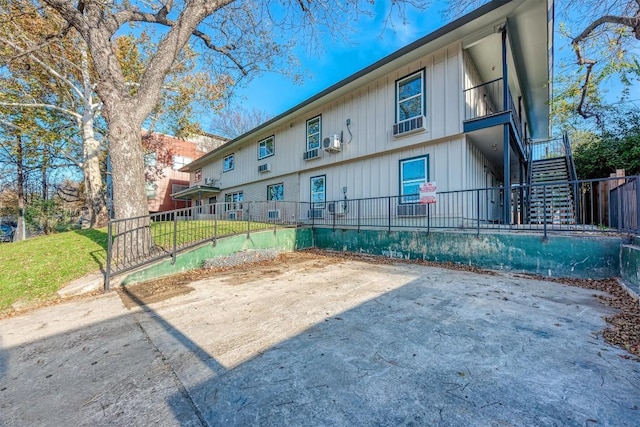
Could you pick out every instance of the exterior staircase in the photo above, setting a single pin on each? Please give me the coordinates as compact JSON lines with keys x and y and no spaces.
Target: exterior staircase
{"x":551,"y":193}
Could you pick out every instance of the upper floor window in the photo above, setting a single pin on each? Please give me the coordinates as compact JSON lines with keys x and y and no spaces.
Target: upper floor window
{"x":275,"y":192}
{"x":410,"y":96}
{"x":314,"y":129}
{"x":228,"y":163}
{"x":180,"y":161}
{"x":413,"y":173}
{"x":266,"y":148}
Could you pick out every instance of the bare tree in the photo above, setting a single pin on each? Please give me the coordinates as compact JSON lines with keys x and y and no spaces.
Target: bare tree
{"x":233,"y":122}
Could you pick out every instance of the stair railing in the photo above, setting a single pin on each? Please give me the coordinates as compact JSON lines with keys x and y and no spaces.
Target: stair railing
{"x":572,"y":174}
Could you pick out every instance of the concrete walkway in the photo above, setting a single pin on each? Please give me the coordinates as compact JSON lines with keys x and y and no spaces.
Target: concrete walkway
{"x":314,"y":340}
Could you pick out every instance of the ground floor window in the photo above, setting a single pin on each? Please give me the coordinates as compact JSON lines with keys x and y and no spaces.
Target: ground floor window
{"x":413,"y":173}
{"x":275,"y":192}
{"x":233,"y":201}
{"x":318,"y":191}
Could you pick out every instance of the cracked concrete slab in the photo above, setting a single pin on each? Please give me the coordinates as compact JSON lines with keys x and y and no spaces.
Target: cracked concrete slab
{"x":320,"y":340}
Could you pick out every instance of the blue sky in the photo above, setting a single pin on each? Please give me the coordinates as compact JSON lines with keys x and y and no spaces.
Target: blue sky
{"x":371,"y":41}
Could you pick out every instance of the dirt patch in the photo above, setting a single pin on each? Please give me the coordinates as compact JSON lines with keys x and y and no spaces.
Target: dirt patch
{"x":163,"y":288}
{"x":150,"y":292}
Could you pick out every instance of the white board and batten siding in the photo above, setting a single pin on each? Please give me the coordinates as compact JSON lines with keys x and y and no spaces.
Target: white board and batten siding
{"x":368,"y":162}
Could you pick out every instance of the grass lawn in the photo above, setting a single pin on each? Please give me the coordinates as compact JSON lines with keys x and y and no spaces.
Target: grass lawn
{"x":37,"y":268}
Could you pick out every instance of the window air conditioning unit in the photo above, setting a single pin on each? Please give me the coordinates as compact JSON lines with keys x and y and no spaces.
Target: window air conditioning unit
{"x":412,"y":210}
{"x":273,"y":214}
{"x":332,"y":144}
{"x":409,"y":126}
{"x":311,"y":154}
{"x":338,"y":208}
{"x":210,"y":181}
{"x":264,"y":168}
{"x":315,"y":213}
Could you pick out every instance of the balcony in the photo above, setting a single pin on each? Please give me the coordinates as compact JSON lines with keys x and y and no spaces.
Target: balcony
{"x":485,"y":107}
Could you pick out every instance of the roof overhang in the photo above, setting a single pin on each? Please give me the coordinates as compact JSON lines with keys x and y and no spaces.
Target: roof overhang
{"x":195,"y":191}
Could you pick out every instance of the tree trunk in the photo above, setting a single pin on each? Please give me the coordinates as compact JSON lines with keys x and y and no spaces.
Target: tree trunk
{"x":133,"y":236}
{"x":20,"y":233}
{"x":93,"y":182}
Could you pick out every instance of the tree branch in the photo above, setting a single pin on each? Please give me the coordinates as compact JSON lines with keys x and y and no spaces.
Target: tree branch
{"x":161,"y":18}
{"x":39,"y":105}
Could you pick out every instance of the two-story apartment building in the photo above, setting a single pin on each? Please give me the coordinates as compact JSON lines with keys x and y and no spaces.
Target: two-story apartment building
{"x":455,"y":107}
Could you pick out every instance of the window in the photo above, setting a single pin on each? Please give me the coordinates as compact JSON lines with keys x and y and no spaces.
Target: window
{"x":180,"y":161}
{"x":151,"y":159}
{"x":314,"y":127}
{"x":228,"y":163}
{"x":151,"y":189}
{"x":275,"y":192}
{"x":265,"y":148}
{"x":233,"y":201}
{"x":176,"y":188}
{"x":413,"y":172}
{"x":318,"y":191}
{"x":410,"y":97}
{"x":197,"y":175}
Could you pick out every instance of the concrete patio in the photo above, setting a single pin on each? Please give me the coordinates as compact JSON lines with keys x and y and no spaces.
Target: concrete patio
{"x":320,"y":340}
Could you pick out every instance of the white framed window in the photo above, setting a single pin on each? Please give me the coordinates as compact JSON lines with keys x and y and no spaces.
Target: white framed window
{"x":233,"y":201}
{"x":228,"y":163}
{"x":413,"y":173}
{"x":275,"y":192}
{"x":266,"y":148}
{"x":410,"y":97}
{"x":318,"y":191}
{"x":314,"y":131}
{"x":180,"y":161}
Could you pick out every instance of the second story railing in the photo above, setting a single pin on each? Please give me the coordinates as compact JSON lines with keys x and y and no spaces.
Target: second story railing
{"x":487,"y":99}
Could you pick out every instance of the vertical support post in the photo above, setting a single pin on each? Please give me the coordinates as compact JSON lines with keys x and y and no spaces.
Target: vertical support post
{"x":215,"y":223}
{"x":544,"y":212}
{"x":478,"y":211}
{"x":389,"y":212}
{"x":636,"y":182}
{"x":505,"y":133}
{"x":248,"y":219}
{"x":107,"y":275}
{"x":359,"y":215}
{"x":175,"y":238}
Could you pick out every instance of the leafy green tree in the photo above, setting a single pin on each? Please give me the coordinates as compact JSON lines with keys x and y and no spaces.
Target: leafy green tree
{"x":597,"y":155}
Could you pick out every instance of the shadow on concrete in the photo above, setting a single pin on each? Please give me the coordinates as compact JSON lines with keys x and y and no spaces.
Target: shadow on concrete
{"x":450,"y":354}
{"x":454,"y":352}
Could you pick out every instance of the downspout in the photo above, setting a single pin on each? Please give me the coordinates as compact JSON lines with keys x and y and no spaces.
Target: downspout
{"x":506,"y":206}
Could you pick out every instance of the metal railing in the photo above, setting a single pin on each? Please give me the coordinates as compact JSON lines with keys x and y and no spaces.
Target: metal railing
{"x":608,"y":205}
{"x":135,"y":242}
{"x":487,"y":99}
{"x":548,"y":149}
{"x":605,"y":205}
